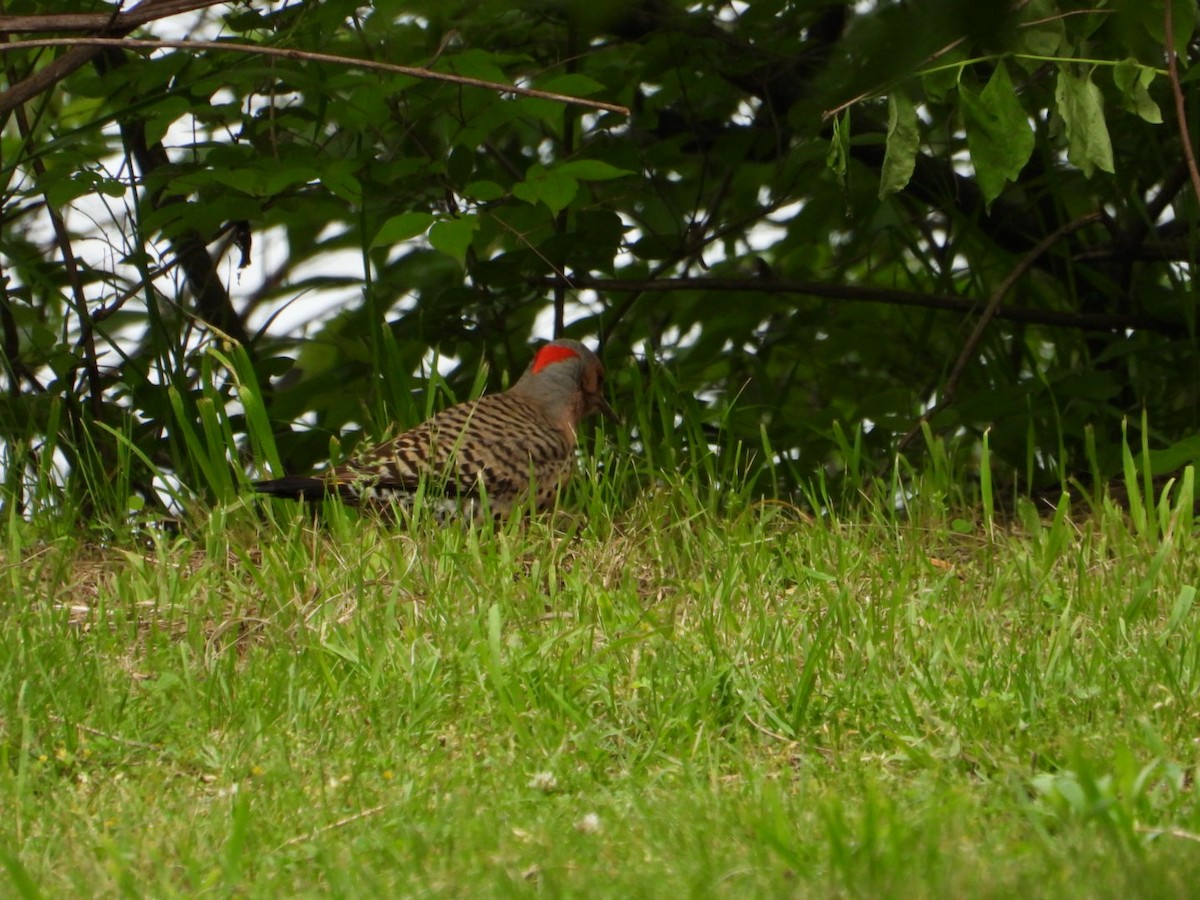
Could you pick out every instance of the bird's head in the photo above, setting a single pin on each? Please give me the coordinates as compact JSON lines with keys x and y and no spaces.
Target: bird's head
{"x":569,"y":379}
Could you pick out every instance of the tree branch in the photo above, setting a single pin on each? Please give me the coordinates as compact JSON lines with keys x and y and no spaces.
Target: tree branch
{"x":950,"y":390}
{"x":90,"y":46}
{"x":78,"y":299}
{"x":212,"y":300}
{"x":80,"y":54}
{"x":115,"y":22}
{"x":1177,"y":89}
{"x":868,"y":294}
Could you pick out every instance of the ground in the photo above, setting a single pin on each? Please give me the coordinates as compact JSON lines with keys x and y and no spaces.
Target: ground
{"x":683,"y":696}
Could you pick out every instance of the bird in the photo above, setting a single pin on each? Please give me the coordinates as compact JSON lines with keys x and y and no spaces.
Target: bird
{"x":503,"y":451}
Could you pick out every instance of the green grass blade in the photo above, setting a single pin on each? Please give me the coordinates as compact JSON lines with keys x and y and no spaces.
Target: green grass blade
{"x":19,"y":877}
{"x":1137,"y":510}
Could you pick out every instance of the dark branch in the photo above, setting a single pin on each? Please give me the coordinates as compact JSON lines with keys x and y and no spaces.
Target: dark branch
{"x":121,"y":22}
{"x":868,"y":294}
{"x":78,"y":56}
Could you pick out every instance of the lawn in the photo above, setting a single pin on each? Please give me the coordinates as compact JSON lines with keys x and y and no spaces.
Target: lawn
{"x":681,"y":694}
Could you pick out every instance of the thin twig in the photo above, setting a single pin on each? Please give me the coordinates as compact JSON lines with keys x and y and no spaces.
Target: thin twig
{"x":78,"y":299}
{"x":783,"y":738}
{"x":129,"y":742}
{"x":309,"y":56}
{"x":693,"y":246}
{"x":1170,"y":832}
{"x":1018,"y":272}
{"x":990,"y":311}
{"x":1032,"y":23}
{"x":1177,"y":90}
{"x":340,"y":823}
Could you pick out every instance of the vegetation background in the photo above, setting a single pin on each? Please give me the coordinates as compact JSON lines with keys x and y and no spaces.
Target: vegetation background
{"x":821,"y":218}
{"x":867,"y":276}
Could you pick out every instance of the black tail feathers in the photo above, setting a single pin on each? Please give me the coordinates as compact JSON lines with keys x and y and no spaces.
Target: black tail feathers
{"x":299,"y":487}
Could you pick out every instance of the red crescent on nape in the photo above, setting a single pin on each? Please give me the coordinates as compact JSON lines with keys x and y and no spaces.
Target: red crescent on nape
{"x":552,"y":354}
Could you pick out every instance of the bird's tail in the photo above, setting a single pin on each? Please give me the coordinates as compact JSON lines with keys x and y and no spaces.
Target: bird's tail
{"x":298,"y":487}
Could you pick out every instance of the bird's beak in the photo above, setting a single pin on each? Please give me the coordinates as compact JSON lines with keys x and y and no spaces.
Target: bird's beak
{"x":601,"y":405}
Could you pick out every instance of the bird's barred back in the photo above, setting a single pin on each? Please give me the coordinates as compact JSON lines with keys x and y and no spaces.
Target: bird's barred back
{"x":492,"y":446}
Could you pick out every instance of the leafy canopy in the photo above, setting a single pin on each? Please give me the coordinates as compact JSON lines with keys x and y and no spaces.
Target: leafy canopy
{"x":820,"y":216}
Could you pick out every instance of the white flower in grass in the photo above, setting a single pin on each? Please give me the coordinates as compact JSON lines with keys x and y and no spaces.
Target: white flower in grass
{"x":589,"y":824}
{"x":544,"y":782}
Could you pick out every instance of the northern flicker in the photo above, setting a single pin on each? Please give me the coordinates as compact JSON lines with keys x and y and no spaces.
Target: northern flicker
{"x":514,"y":447}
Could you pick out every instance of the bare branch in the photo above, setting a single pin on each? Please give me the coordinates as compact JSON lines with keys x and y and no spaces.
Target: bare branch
{"x":993,"y":305}
{"x":990,"y":312}
{"x":121,"y":22}
{"x":117,"y":24}
{"x":867,"y":294}
{"x":1171,"y":832}
{"x":87,"y":46}
{"x":340,"y":823}
{"x":1177,"y":90}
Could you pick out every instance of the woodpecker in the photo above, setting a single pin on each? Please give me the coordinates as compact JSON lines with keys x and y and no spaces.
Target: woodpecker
{"x":512,"y":448}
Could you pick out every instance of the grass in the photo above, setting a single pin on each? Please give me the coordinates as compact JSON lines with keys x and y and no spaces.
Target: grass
{"x":670,"y":689}
{"x":670,"y":698}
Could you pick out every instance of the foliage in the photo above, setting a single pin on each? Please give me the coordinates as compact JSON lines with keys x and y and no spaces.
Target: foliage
{"x":806,"y":212}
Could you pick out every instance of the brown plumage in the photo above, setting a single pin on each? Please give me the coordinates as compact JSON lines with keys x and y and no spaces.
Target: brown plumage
{"x":514,"y":447}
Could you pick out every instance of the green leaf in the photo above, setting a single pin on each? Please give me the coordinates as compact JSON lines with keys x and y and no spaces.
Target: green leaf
{"x":1174,"y":457}
{"x":401,"y":228}
{"x":339,"y":177}
{"x":548,"y":186}
{"x":61,"y":191}
{"x":938,"y":84}
{"x":42,"y":337}
{"x":163,"y":116}
{"x":999,"y":136}
{"x":281,"y":177}
{"x":453,"y":236}
{"x":839,"y":146}
{"x":1133,"y":81}
{"x":591,"y":170}
{"x":251,"y":181}
{"x":111,"y":187}
{"x":483,"y":191}
{"x":572,"y":84}
{"x":1043,"y":38}
{"x":461,"y":164}
{"x":476,"y":64}
{"x":1081,"y":106}
{"x":903,"y":139}
{"x":1183,"y":22}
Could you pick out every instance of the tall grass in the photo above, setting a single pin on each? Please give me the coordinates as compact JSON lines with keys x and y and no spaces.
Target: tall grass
{"x":651,"y":691}
{"x":888,"y":687}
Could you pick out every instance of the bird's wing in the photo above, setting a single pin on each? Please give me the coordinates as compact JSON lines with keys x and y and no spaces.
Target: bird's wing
{"x":492,"y":443}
